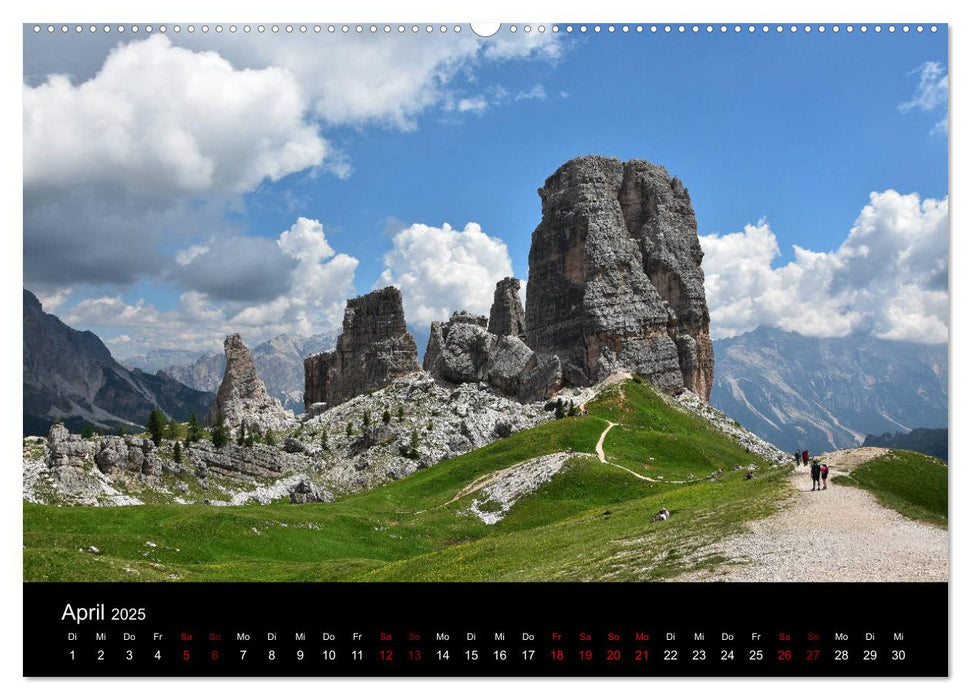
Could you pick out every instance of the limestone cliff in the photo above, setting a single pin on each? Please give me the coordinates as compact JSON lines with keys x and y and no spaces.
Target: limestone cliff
{"x":373,"y":350}
{"x":242,"y":395}
{"x":461,"y":350}
{"x":615,"y":277}
{"x":506,"y":317}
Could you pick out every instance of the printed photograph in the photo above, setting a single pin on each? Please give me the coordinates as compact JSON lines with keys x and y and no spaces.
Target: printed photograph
{"x":407,"y":303}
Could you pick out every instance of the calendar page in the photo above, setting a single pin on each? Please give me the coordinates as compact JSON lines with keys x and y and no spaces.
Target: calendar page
{"x":550,"y":349}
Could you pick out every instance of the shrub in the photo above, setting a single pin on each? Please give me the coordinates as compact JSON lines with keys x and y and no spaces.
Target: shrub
{"x":323,"y":440}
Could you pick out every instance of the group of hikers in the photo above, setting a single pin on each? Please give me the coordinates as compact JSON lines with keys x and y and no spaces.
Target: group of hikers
{"x":817,"y":472}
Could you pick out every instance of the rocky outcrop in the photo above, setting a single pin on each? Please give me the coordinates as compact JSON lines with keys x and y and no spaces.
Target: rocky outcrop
{"x":373,"y":350}
{"x":461,"y":350}
{"x":506,"y":317}
{"x":137,"y":455}
{"x":235,"y":461}
{"x":615,"y":279}
{"x":242,"y":397}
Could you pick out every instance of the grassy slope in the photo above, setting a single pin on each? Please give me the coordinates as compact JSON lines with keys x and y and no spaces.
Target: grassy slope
{"x":911,"y":483}
{"x":405,"y":530}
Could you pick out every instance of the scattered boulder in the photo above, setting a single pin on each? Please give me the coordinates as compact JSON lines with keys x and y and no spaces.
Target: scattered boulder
{"x":294,"y":446}
{"x":373,"y":350}
{"x":615,"y":279}
{"x":304,"y":491}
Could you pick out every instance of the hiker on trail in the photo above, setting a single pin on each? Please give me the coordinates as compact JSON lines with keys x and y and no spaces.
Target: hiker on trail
{"x":798,"y":458}
{"x":814,"y":473}
{"x":662,"y":514}
{"x":823,"y":473}
{"x":805,"y":456}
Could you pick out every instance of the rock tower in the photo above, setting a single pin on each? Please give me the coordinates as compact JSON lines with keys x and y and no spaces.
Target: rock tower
{"x":374,"y":349}
{"x":242,"y":395}
{"x":506,"y":317}
{"x":615,"y":277}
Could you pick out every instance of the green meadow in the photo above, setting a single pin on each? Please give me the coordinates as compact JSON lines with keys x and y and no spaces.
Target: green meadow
{"x":591,"y":522}
{"x":913,"y":484}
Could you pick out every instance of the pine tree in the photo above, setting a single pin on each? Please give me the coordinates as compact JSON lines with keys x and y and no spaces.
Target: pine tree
{"x":350,"y":429}
{"x":177,"y":452}
{"x":241,"y":438}
{"x":401,"y":413}
{"x":195,"y":430}
{"x":323,"y":440}
{"x":559,"y":409}
{"x":121,"y":431}
{"x":366,"y":420}
{"x":386,"y":417}
{"x":269,"y":438}
{"x":220,"y":433}
{"x":413,"y":444}
{"x":87,"y":432}
{"x":156,"y":426}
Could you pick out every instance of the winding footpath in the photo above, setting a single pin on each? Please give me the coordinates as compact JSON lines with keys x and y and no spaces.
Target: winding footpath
{"x":603,"y":460}
{"x":840,"y":534}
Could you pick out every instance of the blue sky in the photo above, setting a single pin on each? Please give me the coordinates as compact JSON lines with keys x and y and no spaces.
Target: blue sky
{"x":780,"y":139}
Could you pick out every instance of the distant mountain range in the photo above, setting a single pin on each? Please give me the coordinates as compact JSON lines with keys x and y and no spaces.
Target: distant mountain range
{"x":928,"y":441}
{"x":70,"y":375}
{"x":825,"y":393}
{"x":278,"y":360}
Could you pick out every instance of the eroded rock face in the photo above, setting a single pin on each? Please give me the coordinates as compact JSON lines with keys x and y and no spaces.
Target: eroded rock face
{"x":615,"y":279}
{"x":461,"y":350}
{"x":506,"y":317}
{"x":373,"y":350}
{"x":242,"y":396}
{"x":129,"y":454}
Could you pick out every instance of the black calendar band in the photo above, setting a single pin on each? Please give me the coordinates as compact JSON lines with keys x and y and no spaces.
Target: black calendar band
{"x":476,"y":629}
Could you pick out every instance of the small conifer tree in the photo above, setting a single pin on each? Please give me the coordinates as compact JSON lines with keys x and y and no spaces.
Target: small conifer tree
{"x":156,"y":426}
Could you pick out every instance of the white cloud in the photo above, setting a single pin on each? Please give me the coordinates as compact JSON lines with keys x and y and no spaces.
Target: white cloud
{"x":185,"y":257}
{"x":311,"y":299}
{"x":387,"y":80}
{"x":159,"y":119}
{"x":889,"y":276}
{"x":477,"y":104}
{"x":537,"y":92}
{"x":52,"y":299}
{"x":930,"y":95}
{"x":931,"y":91}
{"x":441,"y":270}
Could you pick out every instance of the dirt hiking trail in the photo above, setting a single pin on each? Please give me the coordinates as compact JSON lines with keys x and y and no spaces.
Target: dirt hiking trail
{"x":839,"y":534}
